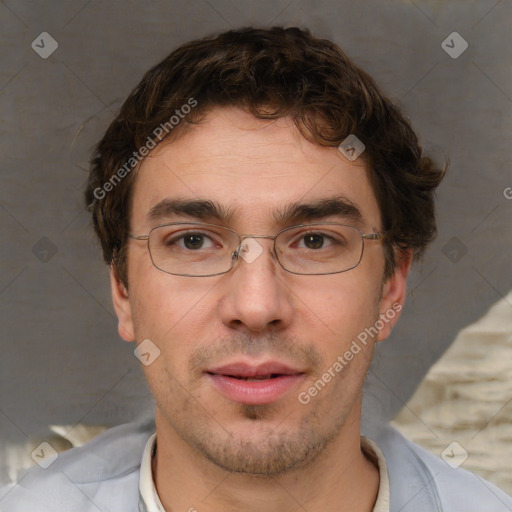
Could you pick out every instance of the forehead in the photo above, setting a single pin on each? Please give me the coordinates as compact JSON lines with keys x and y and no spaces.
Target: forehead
{"x":252,"y":167}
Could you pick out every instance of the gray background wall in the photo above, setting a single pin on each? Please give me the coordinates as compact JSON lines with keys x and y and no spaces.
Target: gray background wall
{"x":61,"y":359}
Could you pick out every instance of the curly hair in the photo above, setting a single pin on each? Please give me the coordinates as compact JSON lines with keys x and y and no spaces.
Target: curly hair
{"x":269,"y":73}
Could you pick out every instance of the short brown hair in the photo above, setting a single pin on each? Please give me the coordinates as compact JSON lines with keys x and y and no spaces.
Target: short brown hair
{"x":270,"y":73}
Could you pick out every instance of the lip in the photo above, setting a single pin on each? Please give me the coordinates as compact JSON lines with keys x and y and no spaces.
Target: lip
{"x":257,"y":392}
{"x":245,"y":369}
{"x":275,"y":380}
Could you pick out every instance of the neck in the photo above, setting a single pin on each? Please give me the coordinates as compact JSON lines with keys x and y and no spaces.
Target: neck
{"x":340,"y":479}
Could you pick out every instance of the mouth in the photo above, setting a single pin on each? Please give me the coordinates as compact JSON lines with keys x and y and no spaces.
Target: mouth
{"x":256,"y":378}
{"x":255,"y":384}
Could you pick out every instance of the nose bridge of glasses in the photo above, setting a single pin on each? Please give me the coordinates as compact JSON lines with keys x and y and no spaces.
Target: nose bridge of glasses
{"x":248,"y":248}
{"x":244,"y":237}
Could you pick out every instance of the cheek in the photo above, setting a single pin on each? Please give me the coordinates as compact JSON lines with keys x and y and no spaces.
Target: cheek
{"x":342,"y":304}
{"x":168,"y":309}
{"x":174,"y":317}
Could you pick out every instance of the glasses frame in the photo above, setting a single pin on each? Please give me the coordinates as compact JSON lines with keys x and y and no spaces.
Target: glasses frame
{"x":235,"y":255}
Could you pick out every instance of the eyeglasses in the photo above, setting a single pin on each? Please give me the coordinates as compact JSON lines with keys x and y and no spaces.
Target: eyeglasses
{"x":196,"y":249}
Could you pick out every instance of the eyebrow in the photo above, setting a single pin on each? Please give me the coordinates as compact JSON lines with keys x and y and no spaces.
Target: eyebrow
{"x":294,"y":213}
{"x":318,"y":210}
{"x":197,"y":208}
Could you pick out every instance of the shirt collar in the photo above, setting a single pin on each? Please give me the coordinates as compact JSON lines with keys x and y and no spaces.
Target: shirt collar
{"x":148,"y":497}
{"x":372,"y":450}
{"x":150,"y":502}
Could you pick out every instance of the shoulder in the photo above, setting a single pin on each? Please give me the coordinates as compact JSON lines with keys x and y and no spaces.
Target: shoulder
{"x":100,"y":475}
{"x":420,"y":481}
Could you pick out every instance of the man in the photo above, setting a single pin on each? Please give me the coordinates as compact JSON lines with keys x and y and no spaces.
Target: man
{"x":259,"y":202}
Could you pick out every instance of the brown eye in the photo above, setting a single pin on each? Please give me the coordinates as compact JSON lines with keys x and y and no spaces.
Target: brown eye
{"x":314,"y":241}
{"x":193,"y":241}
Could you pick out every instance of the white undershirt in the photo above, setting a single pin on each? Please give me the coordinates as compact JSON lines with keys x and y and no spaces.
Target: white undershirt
{"x":150,"y":502}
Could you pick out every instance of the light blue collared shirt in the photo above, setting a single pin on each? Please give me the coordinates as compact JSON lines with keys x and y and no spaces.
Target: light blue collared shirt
{"x":104,"y":476}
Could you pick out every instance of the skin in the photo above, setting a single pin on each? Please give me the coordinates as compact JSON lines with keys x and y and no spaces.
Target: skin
{"x":215,"y":454}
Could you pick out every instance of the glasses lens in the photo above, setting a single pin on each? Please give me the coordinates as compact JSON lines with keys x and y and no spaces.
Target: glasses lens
{"x":319,"y":248}
{"x":192,"y":249}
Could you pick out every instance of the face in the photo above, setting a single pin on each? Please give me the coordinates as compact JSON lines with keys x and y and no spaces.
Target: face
{"x":238,"y":350}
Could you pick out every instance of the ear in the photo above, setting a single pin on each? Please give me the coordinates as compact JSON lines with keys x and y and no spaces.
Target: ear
{"x":393,"y":295}
{"x":122,"y":306}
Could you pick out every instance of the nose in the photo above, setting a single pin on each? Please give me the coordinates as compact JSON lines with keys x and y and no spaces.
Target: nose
{"x":255,"y":297}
